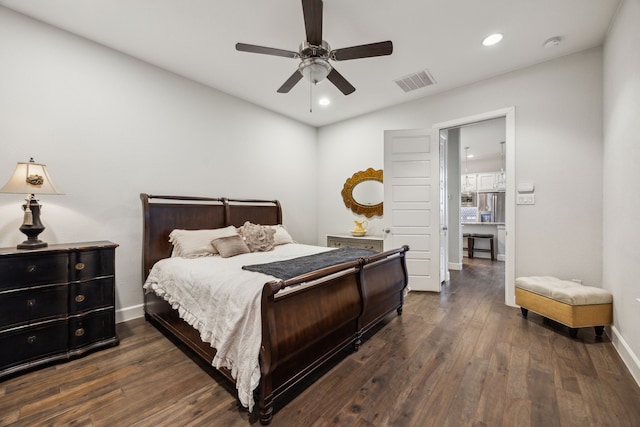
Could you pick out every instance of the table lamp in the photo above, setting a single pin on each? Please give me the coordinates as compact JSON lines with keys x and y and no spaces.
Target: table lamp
{"x":31,"y":178}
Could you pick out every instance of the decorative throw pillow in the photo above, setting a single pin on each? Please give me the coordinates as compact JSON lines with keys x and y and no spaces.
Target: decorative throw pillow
{"x":281,"y":236}
{"x":197,"y":243}
{"x":259,"y":238}
{"x":230,"y":246}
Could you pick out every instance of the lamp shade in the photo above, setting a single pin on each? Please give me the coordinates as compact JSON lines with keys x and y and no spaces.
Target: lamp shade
{"x":30,"y":178}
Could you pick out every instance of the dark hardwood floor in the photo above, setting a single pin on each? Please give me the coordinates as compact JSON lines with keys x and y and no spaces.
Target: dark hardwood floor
{"x":460,"y":358}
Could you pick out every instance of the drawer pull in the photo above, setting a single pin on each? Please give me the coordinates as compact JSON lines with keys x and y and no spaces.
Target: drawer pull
{"x":31,"y":303}
{"x":31,"y":268}
{"x":79,"y":298}
{"x":80,"y":266}
{"x":31,"y":339}
{"x":79,"y":332}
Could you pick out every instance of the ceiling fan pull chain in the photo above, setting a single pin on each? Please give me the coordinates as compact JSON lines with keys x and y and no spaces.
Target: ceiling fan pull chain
{"x":310,"y":96}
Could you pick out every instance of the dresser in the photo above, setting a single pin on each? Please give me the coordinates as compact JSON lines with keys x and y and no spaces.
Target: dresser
{"x":375,"y":243}
{"x":56,"y":303}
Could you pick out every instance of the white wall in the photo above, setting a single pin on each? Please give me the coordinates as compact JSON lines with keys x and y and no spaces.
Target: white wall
{"x":110,"y":127}
{"x":621,"y":195}
{"x":453,"y":195}
{"x":558,"y":112}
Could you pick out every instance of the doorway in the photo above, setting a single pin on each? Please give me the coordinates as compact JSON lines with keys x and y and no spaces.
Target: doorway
{"x":450,"y":131}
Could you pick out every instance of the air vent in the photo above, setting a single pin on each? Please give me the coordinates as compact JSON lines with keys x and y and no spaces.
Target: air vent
{"x":415,"y":81}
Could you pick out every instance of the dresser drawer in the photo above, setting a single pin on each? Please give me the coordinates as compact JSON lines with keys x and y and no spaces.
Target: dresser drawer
{"x":92,"y":294}
{"x":355,"y":242}
{"x":85,"y":265}
{"x":16,"y":272}
{"x":29,"y":343}
{"x":93,"y":327}
{"x":20,"y":307}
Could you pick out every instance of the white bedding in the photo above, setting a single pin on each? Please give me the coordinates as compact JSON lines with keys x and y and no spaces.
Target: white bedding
{"x":222,"y":301}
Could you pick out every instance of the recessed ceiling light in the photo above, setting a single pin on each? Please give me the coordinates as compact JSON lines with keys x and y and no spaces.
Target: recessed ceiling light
{"x":492,"y":39}
{"x":470,"y":155}
{"x":324,"y":101}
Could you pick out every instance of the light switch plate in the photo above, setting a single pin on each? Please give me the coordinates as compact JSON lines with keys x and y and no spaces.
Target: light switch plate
{"x":526,"y":199}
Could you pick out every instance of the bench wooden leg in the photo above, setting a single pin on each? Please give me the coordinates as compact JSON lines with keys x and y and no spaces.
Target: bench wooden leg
{"x":573,"y":332}
{"x":524,"y":311}
{"x":493,"y":257}
{"x":599,"y":331}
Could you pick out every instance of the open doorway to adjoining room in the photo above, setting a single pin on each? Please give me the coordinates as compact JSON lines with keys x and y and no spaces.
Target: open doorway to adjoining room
{"x":479,"y":187}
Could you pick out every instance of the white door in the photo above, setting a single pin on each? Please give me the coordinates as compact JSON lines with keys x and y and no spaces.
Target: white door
{"x":412,"y":203}
{"x":444,"y":209}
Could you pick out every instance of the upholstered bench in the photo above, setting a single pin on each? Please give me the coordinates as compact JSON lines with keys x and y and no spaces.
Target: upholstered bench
{"x":566,"y":302}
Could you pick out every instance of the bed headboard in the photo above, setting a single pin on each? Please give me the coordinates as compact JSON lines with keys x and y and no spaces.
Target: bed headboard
{"x":162,"y":214}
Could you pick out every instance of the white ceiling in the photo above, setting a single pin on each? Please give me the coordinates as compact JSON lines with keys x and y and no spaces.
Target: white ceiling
{"x":196,"y":39}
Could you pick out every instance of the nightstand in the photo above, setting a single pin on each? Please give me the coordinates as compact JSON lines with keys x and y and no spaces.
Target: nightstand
{"x":375,"y":243}
{"x":56,"y":303}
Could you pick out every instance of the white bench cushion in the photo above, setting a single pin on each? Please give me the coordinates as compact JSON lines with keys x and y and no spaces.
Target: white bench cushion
{"x":565,"y":291}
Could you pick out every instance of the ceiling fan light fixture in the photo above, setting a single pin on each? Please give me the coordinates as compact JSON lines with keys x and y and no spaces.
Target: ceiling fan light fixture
{"x":315,"y":69}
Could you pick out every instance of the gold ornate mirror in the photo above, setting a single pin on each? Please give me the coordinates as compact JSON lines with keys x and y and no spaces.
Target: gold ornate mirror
{"x":363,"y":193}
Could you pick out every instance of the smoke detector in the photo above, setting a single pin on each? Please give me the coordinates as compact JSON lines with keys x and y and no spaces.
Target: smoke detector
{"x":552,"y":42}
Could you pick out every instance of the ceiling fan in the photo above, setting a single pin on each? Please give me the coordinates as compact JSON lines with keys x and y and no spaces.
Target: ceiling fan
{"x":315,"y":53}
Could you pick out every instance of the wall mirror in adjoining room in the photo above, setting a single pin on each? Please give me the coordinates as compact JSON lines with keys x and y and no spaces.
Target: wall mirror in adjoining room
{"x":363,"y":193}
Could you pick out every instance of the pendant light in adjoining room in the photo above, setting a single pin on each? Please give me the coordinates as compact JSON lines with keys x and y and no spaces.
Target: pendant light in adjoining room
{"x":466,"y":185}
{"x":502,"y":179}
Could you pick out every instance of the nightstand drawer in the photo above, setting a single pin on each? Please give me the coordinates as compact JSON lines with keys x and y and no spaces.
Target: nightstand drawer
{"x":93,"y":327}
{"x":32,"y":304}
{"x":87,"y":265}
{"x":27,"y":344}
{"x":85,"y":296}
{"x":16,"y":272}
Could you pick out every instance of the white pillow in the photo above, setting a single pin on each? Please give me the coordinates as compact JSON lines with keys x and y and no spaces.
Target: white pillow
{"x":282,"y":236}
{"x":197,"y":243}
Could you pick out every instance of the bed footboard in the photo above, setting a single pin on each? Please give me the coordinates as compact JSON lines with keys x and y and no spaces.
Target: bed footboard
{"x":306,"y":327}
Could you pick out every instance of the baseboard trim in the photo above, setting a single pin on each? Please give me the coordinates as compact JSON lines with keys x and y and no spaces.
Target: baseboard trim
{"x":628,"y":356}
{"x":455,"y":266}
{"x":129,"y":313}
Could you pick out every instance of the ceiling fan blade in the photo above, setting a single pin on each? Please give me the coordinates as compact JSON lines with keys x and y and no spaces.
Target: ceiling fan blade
{"x":312,"y":10}
{"x":340,"y":82}
{"x":243,"y":47}
{"x":362,"y":51}
{"x":291,"y":82}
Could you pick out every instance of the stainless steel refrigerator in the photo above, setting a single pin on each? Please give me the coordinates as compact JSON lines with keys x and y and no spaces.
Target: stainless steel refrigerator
{"x":491,"y":207}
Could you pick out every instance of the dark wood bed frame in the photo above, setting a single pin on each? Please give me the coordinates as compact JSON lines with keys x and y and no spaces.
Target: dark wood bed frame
{"x":301,"y":329}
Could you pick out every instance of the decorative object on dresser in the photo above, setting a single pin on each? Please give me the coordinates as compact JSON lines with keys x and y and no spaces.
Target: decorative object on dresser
{"x":55,"y":303}
{"x":30,"y":178}
{"x":304,"y":322}
{"x":360,"y":228}
{"x":375,"y":243}
{"x":363,"y":193}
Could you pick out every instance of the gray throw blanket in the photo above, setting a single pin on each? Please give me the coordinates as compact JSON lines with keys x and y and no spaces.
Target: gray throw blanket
{"x":288,"y":269}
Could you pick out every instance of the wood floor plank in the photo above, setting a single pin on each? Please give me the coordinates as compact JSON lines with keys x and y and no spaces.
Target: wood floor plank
{"x":458,"y":358}
{"x":493,"y":394}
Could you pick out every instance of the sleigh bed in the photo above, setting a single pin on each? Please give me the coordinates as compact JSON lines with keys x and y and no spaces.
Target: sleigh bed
{"x":305,"y":321}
